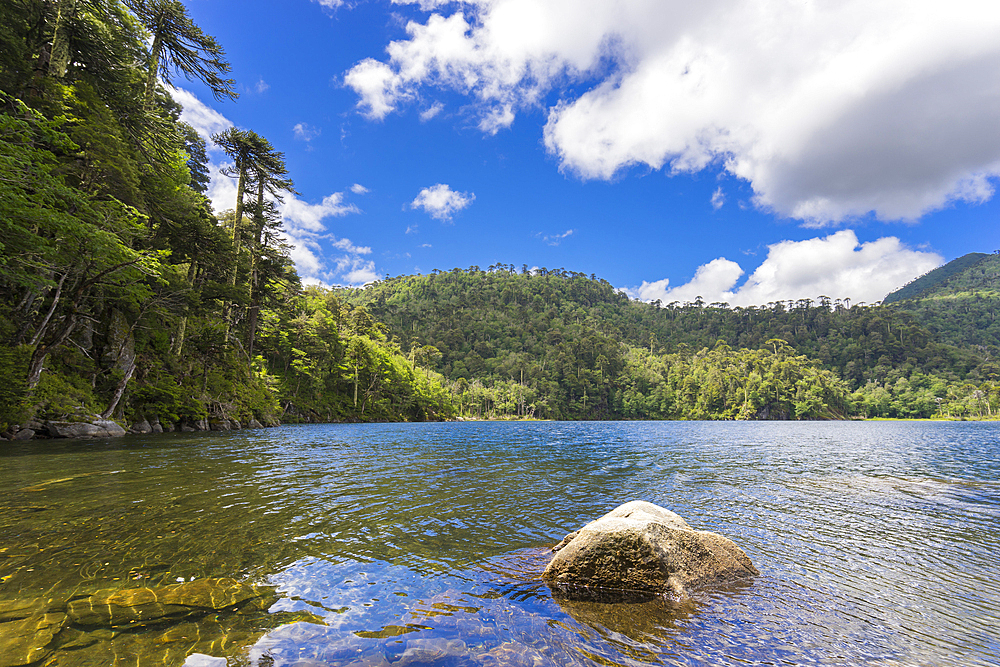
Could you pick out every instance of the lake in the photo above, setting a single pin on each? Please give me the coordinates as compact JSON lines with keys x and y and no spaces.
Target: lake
{"x":423,"y":544}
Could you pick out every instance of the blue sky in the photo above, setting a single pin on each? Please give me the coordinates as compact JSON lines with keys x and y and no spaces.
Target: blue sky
{"x":742,"y":152}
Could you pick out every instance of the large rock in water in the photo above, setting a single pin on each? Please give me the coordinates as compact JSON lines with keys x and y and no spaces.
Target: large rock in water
{"x":641,"y":550}
{"x":99,"y":428}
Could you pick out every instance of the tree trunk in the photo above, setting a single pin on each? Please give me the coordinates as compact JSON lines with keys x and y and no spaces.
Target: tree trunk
{"x":253,"y":315}
{"x":48,"y":316}
{"x":228,"y":315}
{"x":41,"y":352}
{"x":119,"y":390}
{"x":59,"y":56}
{"x":154,"y":65}
{"x":238,"y":216}
{"x":178,"y":343}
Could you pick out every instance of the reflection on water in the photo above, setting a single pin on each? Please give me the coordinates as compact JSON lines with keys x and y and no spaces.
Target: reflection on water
{"x":423,"y":544}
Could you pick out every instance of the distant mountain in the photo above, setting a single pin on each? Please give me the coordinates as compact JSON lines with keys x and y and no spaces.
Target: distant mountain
{"x":959,"y":302}
{"x":933,"y":280}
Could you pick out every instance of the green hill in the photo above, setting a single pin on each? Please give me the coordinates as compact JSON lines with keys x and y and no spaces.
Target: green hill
{"x":934,"y":280}
{"x":574,"y":347}
{"x":962,"y":307}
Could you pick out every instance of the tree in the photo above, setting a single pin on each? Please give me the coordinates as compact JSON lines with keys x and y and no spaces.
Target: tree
{"x":256,"y":164}
{"x":179,"y":44}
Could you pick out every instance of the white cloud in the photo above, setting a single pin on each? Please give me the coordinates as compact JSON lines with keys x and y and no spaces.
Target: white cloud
{"x":431,"y":111}
{"x":347,"y":246}
{"x":205,"y":120}
{"x":497,"y":119}
{"x":718,"y":198}
{"x":831,"y":109}
{"x":305,"y":132}
{"x":556,"y":239}
{"x":261,"y":87}
{"x":298,"y":214}
{"x":837,"y":266}
{"x":441,"y":202}
{"x":426,"y":5}
{"x":374,"y":81}
{"x":357,"y":271}
{"x":359,"y":189}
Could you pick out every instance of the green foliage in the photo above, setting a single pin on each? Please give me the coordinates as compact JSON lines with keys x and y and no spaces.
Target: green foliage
{"x":14,"y":408}
{"x":65,"y":396}
{"x":334,"y":362}
{"x":962,"y":309}
{"x":569,"y":342}
{"x":161,"y":397}
{"x":933,"y":280}
{"x":726,"y":384}
{"x":113,"y":269}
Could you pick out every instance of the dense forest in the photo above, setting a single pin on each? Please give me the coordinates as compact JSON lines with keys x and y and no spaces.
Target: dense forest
{"x":577,"y":348}
{"x":124,"y":296}
{"x":960,"y":307}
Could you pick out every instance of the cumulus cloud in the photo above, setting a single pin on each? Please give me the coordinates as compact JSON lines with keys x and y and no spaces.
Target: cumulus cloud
{"x":298,"y":214}
{"x":830,"y":109}
{"x":837,"y":266}
{"x":497,"y":119}
{"x":425,"y":5}
{"x":205,"y":120}
{"x":357,"y":271}
{"x":359,"y":189}
{"x":303,"y":224}
{"x":441,"y":202}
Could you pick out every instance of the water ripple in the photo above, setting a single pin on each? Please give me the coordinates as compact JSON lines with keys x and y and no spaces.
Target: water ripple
{"x":876,"y":543}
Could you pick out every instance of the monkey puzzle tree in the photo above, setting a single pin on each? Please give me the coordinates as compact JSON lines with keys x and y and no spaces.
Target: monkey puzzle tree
{"x":256,"y":164}
{"x":179,"y":44}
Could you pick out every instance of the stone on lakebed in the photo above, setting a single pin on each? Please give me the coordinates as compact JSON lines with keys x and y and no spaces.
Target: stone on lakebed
{"x":642,"y":550}
{"x":137,"y":606}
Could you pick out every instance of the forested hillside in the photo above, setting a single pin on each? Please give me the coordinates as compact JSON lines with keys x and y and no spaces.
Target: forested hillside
{"x":932,"y":280}
{"x":962,"y":308}
{"x":122,"y":295}
{"x":566,"y":344}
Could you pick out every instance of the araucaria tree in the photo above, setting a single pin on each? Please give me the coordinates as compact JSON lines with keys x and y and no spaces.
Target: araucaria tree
{"x":178,"y":44}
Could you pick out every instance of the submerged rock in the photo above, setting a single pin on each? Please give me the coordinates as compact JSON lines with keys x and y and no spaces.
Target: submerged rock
{"x":136,"y":606}
{"x":27,"y":630}
{"x":431,"y":651}
{"x":642,"y":550}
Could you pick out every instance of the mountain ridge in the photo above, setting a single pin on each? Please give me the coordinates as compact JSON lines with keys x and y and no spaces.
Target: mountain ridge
{"x":935,"y":278}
